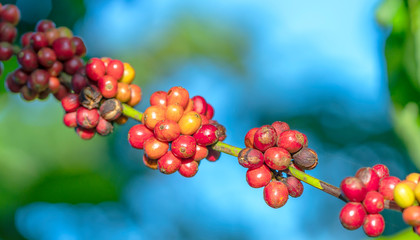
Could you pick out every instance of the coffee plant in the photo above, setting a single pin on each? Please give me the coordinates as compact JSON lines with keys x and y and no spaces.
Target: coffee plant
{"x":178,"y":131}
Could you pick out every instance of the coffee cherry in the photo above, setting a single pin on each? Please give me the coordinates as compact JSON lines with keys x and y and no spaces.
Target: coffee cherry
{"x":258,"y":177}
{"x":20,"y":77}
{"x":73,"y":64}
{"x":188,"y":168}
{"x":250,"y":158}
{"x":25,"y":39}
{"x":70,"y":102}
{"x":210,"y":111}
{"x":8,"y":32}
{"x":294,"y":186}
{"x":306,"y":158}
{"x":38,"y":80}
{"x":129,"y":74}
{"x":64,"y":48}
{"x":206,"y":135}
{"x":155,"y":148}
{"x":277,"y":158}
{"x":6,"y":51}
{"x":121,"y":120}
{"x":169,"y":163}
{"x":353,"y":188}
{"x":381,"y":170}
{"x":413,"y":177}
{"x":87,"y":118}
{"x":61,"y":92}
{"x":280,"y":127}
{"x":123,"y":92}
{"x":411,"y":215}
{"x":417,"y":192}
{"x":55,"y":69}
{"x":85,"y":134}
{"x":167,"y":130}
{"x":189,"y":106}
{"x":276,"y":194}
{"x":200,"y":153}
{"x":221,"y":130}
{"x":374,"y":225}
{"x":28,"y":94}
{"x":79,"y":80}
{"x":158,"y":98}
{"x":138,"y":134}
{"x":51,"y":34}
{"x":174,"y":112}
{"x":184,"y":146}
{"x":46,"y":57}
{"x":135,"y":96}
{"x":373,"y":202}
{"x":199,"y":104}
{"x":79,"y":45}
{"x":108,"y":86}
{"x":178,"y":95}
{"x":369,"y":178}
{"x":265,"y":137}
{"x":249,"y":138}
{"x":411,"y":184}
{"x":53,"y":84}
{"x":106,"y":61}
{"x":90,"y":97}
{"x":387,"y":185}
{"x":403,"y":195}
{"x":11,"y":85}
{"x":150,"y":163}
{"x":111,"y":109}
{"x":95,"y":69}
{"x":44,"y":94}
{"x":115,"y":69}
{"x":189,"y":123}
{"x":10,"y":13}
{"x":104,"y":127}
{"x":352,"y":215}
{"x":213,"y":155}
{"x":291,"y":140}
{"x":38,"y":40}
{"x":69,"y":119}
{"x":152,"y":116}
{"x":27,"y":58}
{"x":44,"y":25}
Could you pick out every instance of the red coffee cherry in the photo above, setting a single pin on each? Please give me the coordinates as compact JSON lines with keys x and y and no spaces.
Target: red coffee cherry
{"x":138,"y":134}
{"x":291,"y":140}
{"x":150,"y":163}
{"x":178,"y":95}
{"x":55,"y":69}
{"x":6,"y":51}
{"x":276,"y":194}
{"x":8,"y":32}
{"x":108,"y":86}
{"x":200,"y":153}
{"x":251,"y":158}
{"x":53,"y":84}
{"x":353,"y":189}
{"x":169,"y":163}
{"x":374,"y":225}
{"x":206,"y":135}
{"x":20,"y":76}
{"x":387,"y":185}
{"x":258,"y":177}
{"x":73,"y":64}
{"x":373,"y":202}
{"x":210,"y":111}
{"x":411,"y":215}
{"x":27,"y":59}
{"x":46,"y":57}
{"x":61,"y":92}
{"x":213,"y":155}
{"x":95,"y":69}
{"x":79,"y":45}
{"x":167,"y":130}
{"x":265,"y":137}
{"x":352,"y":215}
{"x":104,"y":127}
{"x":38,"y":40}
{"x":10,"y":13}
{"x":115,"y":69}
{"x":63,"y":48}
{"x":188,"y":168}
{"x":84,"y":133}
{"x":38,"y":80}
{"x":70,"y":102}
{"x":294,"y":186}
{"x":25,"y":39}
{"x":155,"y":148}
{"x":79,"y":80}
{"x":87,"y":118}
{"x":11,"y":85}
{"x":184,"y":146}
{"x":69,"y":119}
{"x":249,"y":138}
{"x":280,"y":127}
{"x":158,"y":98}
{"x":381,"y":170}
{"x":199,"y":105}
{"x":27,"y":93}
{"x":369,"y":178}
{"x":44,"y":25}
{"x":277,"y":158}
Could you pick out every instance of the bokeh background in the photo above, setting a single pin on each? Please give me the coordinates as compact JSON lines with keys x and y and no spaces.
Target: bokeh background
{"x":342,"y":72}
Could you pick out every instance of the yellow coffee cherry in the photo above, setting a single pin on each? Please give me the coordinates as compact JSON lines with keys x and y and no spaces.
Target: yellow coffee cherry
{"x":403,"y":195}
{"x":129,"y":74}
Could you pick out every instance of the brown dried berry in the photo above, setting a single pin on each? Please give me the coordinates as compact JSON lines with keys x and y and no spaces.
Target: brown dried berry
{"x":306,"y":158}
{"x":90,"y":97}
{"x":111,"y":109}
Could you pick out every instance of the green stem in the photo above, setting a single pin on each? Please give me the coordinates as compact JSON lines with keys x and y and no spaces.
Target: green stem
{"x":310,"y":180}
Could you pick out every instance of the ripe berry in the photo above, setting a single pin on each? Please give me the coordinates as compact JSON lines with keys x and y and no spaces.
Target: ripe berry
{"x":27,"y":58}
{"x":135,"y":96}
{"x":38,"y":80}
{"x":188,"y":168}
{"x":374,"y":225}
{"x":123,"y":92}
{"x":8,"y":32}
{"x":265,"y":137}
{"x":46,"y":57}
{"x":159,"y":98}
{"x":73,"y":64}
{"x":387,"y":185}
{"x":69,"y":119}
{"x":221,"y":130}
{"x":306,"y":158}
{"x":277,"y":158}
{"x":150,"y":163}
{"x":95,"y":69}
{"x":294,"y":186}
{"x":111,"y":109}
{"x":169,"y":163}
{"x":85,"y":134}
{"x":167,"y":130}
{"x":104,"y":127}
{"x":25,"y":39}
{"x":138,"y":134}
{"x":128,"y":74}
{"x":178,"y":95}
{"x":369,"y":177}
{"x":210,"y":111}
{"x":199,"y":105}
{"x":155,"y":148}
{"x":52,"y":34}
{"x":79,"y":80}
{"x":291,"y":140}
{"x":189,"y":106}
{"x":200,"y":153}
{"x":152,"y":116}
{"x":258,"y":177}
{"x":55,"y":69}
{"x":250,"y":158}
{"x":184,"y":146}
{"x":276,"y":194}
{"x":206,"y":135}
{"x":27,"y":93}
{"x":11,"y":85}
{"x":108,"y":86}
{"x":403,"y":195}
{"x":106,"y":61}
{"x":20,"y":76}
{"x":352,"y":215}
{"x":213,"y":155}
{"x":280,"y":127}
{"x":64,"y":48}
{"x":6,"y":51}
{"x":10,"y":13}
{"x":373,"y":202}
{"x":174,"y":112}
{"x":87,"y":118}
{"x":61,"y":92}
{"x":249,"y":138}
{"x":353,"y":188}
{"x":70,"y":102}
{"x":44,"y":25}
{"x":411,"y":215}
{"x":79,"y":45}
{"x":115,"y":69}
{"x":189,"y":123}
{"x":381,"y":170}
{"x":38,"y":40}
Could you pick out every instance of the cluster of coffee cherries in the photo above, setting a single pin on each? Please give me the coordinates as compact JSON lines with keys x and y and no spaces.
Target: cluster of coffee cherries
{"x":48,"y":59}
{"x":407,"y":196}
{"x":9,"y":18}
{"x":177,"y":132}
{"x":269,"y":152}
{"x":99,"y":89}
{"x":367,"y":193}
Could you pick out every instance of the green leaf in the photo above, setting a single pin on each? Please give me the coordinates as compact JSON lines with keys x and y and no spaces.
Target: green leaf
{"x":407,"y":234}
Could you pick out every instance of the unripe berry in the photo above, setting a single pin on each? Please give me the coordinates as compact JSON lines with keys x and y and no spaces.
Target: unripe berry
{"x":70,"y":102}
{"x":95,"y":69}
{"x":265,"y":137}
{"x":138,"y":134}
{"x":150,"y":163}
{"x":276,"y":194}
{"x":291,"y":140}
{"x":174,"y":112}
{"x":169,"y":163}
{"x":152,"y":116}
{"x":369,"y":177}
{"x":69,"y":119}
{"x":403,"y":195}
{"x":123,"y":92}
{"x":417,"y":192}
{"x":200,"y":153}
{"x":155,"y":148}
{"x":381,"y":170}
{"x":306,"y":158}
{"x":258,"y":177}
{"x":129,"y":74}
{"x":373,"y":202}
{"x":353,"y":188}
{"x":206,"y":135}
{"x":352,"y":215}
{"x":249,"y":138}
{"x":374,"y":225}
{"x":411,"y":215}
{"x":64,"y":48}
{"x":294,"y":186}
{"x":210,"y":111}
{"x":87,"y":118}
{"x":387,"y":185}
{"x":213,"y":155}
{"x":178,"y":95}
{"x":84,"y":133}
{"x":277,"y":158}
{"x":188,"y":168}
{"x":104,"y":127}
{"x":135,"y":96}
{"x":251,"y":158}
{"x":189,"y":123}
{"x":115,"y":69}
{"x":111,"y":109}
{"x":158,"y":98}
{"x":199,"y":105}
{"x":413,"y":177}
{"x":184,"y":146}
{"x":167,"y":130}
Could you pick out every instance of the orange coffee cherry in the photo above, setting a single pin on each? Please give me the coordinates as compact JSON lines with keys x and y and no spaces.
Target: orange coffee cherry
{"x":124,"y":92}
{"x":152,"y":116}
{"x":189,"y":123}
{"x":174,"y":112}
{"x":155,"y":148}
{"x":178,"y":95}
{"x":135,"y":97}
